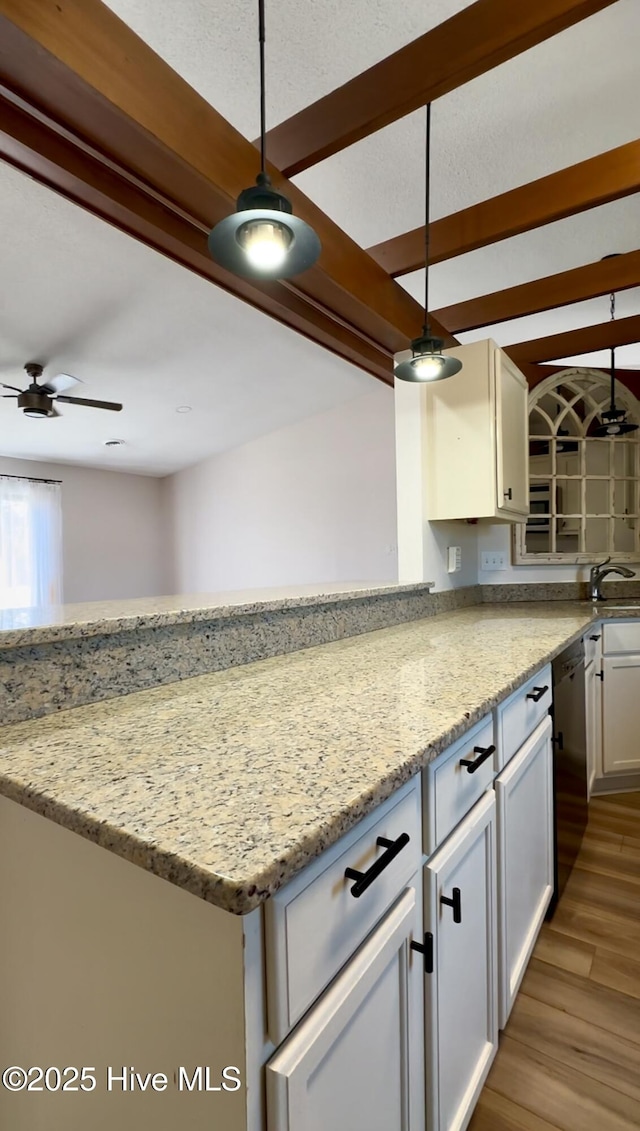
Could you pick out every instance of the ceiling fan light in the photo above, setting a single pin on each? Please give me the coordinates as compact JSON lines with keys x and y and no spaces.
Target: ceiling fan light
{"x":35,"y":413}
{"x":428,"y":362}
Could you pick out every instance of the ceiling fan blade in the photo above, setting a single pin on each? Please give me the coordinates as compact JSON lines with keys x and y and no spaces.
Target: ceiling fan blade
{"x":61,"y":382}
{"x":9,"y":396}
{"x":90,"y":404}
{"x":16,"y":390}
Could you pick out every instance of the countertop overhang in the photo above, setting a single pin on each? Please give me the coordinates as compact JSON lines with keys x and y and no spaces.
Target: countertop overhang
{"x":228,"y":784}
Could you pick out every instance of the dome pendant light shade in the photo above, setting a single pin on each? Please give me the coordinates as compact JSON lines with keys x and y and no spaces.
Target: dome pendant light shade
{"x":263,"y":239}
{"x":428,"y":362}
{"x":614,"y":420}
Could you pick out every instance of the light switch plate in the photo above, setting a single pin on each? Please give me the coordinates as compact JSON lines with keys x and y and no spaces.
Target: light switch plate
{"x":493,"y":559}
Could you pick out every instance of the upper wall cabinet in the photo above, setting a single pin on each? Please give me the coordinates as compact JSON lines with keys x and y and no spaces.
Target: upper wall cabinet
{"x":477,"y":442}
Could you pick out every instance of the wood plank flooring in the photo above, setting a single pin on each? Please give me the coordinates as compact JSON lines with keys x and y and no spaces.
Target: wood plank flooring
{"x":569,"y":1059}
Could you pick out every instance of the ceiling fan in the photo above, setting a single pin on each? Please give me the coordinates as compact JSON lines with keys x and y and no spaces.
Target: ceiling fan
{"x":41,"y":399}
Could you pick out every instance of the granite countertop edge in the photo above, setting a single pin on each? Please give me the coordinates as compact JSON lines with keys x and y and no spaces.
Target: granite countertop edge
{"x":241,"y":897}
{"x":29,"y":635}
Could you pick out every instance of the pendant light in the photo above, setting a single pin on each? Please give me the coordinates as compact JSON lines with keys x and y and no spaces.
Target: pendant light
{"x":428,"y":362}
{"x":614,"y":420}
{"x":263,"y":239}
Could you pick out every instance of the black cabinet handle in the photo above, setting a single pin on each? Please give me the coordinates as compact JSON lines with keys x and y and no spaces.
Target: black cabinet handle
{"x":508,"y":493}
{"x":600,"y":675}
{"x":454,"y":902}
{"x":365,"y":879}
{"x":537,"y":693}
{"x":426,"y":949}
{"x":484,"y":752}
{"x":595,"y":637}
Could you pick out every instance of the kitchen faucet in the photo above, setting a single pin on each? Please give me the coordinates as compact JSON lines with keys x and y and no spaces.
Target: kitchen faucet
{"x":598,"y":574}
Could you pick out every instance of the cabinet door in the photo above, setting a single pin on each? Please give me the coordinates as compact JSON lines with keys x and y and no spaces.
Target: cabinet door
{"x":461,"y":1010}
{"x":592,"y":696}
{"x":620,"y":714}
{"x":512,"y":436}
{"x":524,"y":795}
{"x":357,"y":1059}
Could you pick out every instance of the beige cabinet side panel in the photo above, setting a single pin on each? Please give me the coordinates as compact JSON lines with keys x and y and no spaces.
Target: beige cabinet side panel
{"x":103,"y":964}
{"x":460,"y":415}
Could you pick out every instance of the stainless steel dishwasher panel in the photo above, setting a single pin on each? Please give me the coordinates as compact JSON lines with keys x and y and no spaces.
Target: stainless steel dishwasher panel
{"x":569,"y":762}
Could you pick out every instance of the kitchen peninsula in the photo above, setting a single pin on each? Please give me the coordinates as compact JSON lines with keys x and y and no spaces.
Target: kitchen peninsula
{"x":232,"y":786}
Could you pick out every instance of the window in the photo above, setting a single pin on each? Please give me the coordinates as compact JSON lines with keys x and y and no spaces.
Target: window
{"x":583,"y":490}
{"x":30,"y":543}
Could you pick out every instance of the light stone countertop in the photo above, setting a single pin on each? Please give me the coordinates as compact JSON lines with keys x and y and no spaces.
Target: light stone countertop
{"x":25,"y":627}
{"x":228,"y":784}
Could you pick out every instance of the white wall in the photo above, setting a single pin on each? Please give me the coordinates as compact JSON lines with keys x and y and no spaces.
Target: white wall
{"x":113,"y":540}
{"x":499,"y":538}
{"x":314,"y":501}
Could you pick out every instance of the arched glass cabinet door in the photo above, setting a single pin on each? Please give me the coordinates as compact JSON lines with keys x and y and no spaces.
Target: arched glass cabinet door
{"x":583,"y":488}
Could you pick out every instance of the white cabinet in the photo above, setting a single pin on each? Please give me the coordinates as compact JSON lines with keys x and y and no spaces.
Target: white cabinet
{"x":524,"y":795}
{"x":461,"y":994}
{"x":620,"y":714}
{"x":357,"y":1059}
{"x":476,"y":443}
{"x":593,"y":704}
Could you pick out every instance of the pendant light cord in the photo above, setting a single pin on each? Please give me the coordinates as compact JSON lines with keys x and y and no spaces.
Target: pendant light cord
{"x":612,"y":308}
{"x":427,"y":195}
{"x":263,"y":128}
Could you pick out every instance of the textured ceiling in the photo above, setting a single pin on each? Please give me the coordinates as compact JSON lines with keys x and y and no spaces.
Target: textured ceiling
{"x":131,"y":324}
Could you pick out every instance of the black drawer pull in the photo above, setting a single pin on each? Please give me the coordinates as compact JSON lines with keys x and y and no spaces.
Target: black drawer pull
{"x":364,"y":879}
{"x":484,"y":752}
{"x":426,"y":949}
{"x":537,"y":693}
{"x":454,"y":902}
{"x":595,"y":637}
{"x":508,"y":494}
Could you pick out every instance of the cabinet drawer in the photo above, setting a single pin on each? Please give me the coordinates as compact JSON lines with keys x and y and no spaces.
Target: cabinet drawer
{"x":592,"y":641}
{"x":520,"y":714}
{"x":451,"y":789}
{"x":315,"y":923}
{"x":621,"y":636}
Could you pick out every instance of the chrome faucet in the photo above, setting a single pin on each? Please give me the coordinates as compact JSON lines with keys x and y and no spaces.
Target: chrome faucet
{"x":597,"y":575}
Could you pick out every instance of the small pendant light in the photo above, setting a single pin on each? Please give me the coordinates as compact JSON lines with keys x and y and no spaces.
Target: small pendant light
{"x":263,"y":239}
{"x":614,"y":420}
{"x":428,"y":362}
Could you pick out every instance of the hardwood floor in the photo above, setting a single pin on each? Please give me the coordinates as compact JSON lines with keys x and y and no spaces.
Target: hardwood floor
{"x":569,"y":1058}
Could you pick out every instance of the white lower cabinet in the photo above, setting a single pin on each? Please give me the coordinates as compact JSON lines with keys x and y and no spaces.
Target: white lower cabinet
{"x":461,"y":993}
{"x":356,"y":1060}
{"x":620,"y":715}
{"x":593,"y":707}
{"x":524,"y":794}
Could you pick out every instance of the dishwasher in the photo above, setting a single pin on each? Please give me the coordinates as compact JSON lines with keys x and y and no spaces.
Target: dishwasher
{"x":570,"y":794}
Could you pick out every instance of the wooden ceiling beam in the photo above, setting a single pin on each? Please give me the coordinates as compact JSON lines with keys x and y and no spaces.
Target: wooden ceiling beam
{"x":107,"y":192}
{"x":598,"y":180}
{"x":581,"y":283}
{"x":587,"y":339}
{"x":101,"y":118}
{"x":482,"y":36}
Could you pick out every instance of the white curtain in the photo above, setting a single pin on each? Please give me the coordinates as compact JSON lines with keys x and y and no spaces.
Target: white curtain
{"x":30,"y":543}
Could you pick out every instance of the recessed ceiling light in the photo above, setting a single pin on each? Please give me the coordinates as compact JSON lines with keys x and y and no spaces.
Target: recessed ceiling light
{"x":184,"y":408}
{"x":113,"y":443}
